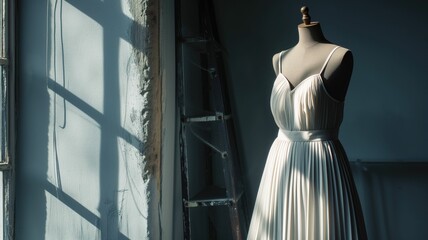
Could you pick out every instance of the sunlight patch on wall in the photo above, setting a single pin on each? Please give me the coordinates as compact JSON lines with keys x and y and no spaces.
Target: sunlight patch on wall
{"x":76,"y":41}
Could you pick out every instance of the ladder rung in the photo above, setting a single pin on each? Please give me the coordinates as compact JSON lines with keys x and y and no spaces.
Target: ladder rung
{"x":216,"y":133}
{"x":210,"y":197}
{"x":3,"y":61}
{"x":199,"y":44}
{"x":194,"y":40}
{"x":5,"y":166}
{"x":209,"y":118}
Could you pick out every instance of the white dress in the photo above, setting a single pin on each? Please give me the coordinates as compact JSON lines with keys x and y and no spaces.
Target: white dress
{"x":307,"y":190}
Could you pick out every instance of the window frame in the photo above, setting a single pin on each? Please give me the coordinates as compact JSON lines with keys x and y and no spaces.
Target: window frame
{"x":7,"y":62}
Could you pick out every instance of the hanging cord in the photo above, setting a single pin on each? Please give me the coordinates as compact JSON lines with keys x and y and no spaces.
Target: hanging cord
{"x":61,"y":36}
{"x":57,"y":5}
{"x":222,"y":153}
{"x":133,"y":186}
{"x":62,"y":64}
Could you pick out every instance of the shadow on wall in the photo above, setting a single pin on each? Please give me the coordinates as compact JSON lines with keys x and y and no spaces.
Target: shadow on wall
{"x":33,"y":120}
{"x":394,"y":198}
{"x":35,"y":130}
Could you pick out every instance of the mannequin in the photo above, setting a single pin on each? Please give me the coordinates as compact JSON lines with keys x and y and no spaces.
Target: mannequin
{"x":308,"y":55}
{"x":307,"y":189}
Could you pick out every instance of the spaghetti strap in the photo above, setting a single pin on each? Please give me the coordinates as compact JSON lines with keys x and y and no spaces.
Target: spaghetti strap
{"x":279,"y":62}
{"x":328,"y":59}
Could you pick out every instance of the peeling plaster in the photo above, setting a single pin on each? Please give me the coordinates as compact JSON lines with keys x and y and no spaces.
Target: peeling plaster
{"x":146,"y":57}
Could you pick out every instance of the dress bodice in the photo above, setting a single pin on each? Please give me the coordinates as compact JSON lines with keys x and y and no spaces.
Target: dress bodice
{"x":308,"y":106}
{"x":306,"y":190}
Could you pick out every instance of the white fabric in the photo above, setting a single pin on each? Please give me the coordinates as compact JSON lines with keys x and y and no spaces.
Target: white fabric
{"x":306,"y":191}
{"x":305,"y":136}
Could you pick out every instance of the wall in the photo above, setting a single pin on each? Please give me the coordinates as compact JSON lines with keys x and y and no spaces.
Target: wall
{"x":89,"y":129}
{"x":385,"y":111}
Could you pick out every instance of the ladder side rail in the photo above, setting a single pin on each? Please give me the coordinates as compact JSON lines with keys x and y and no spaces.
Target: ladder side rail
{"x":182,"y":129}
{"x":221,"y":104}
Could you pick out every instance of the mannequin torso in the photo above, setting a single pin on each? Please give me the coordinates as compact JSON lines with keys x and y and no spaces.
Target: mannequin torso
{"x":306,"y":190}
{"x":307,"y":57}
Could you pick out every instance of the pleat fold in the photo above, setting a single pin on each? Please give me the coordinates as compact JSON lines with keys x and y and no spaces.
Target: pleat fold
{"x":307,"y":190}
{"x":313,"y":199}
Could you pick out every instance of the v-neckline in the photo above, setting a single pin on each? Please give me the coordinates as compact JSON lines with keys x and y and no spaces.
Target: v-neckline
{"x":291,"y":87}
{"x":317,"y":74}
{"x":304,"y":80}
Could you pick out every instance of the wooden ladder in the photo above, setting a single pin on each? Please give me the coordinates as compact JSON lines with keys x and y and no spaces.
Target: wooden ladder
{"x":207,"y":142}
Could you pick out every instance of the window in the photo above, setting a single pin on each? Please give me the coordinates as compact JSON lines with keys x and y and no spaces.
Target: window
{"x":6,"y":118}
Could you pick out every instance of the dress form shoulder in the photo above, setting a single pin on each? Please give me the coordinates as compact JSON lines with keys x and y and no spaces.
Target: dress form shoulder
{"x":307,"y":57}
{"x":297,"y":63}
{"x":338,"y":73}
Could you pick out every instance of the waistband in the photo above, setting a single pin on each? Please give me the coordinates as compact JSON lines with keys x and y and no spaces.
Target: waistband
{"x":306,"y":136}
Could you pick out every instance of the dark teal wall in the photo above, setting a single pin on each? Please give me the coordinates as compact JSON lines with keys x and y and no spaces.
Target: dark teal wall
{"x":386,"y":107}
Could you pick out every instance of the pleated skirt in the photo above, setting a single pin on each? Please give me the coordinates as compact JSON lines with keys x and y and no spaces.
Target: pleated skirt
{"x":307,"y":193}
